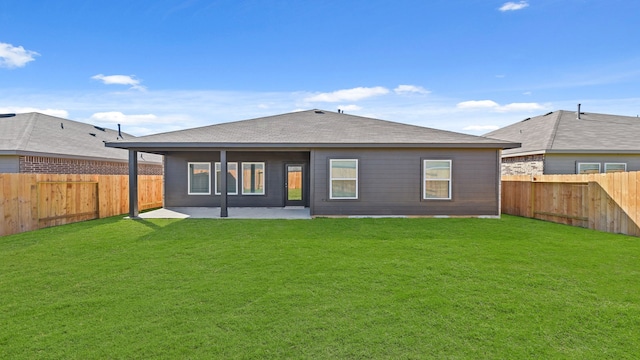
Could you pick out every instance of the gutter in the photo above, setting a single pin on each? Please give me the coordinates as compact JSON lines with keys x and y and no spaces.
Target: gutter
{"x":142,"y":146}
{"x":74,"y":157}
{"x":595,"y":152}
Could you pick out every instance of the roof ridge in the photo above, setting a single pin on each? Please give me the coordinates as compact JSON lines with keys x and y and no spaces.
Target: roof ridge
{"x":229,"y":122}
{"x":412,"y":125}
{"x":28,"y":131}
{"x":554,"y":132}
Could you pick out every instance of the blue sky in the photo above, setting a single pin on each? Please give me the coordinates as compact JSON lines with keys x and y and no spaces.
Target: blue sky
{"x":468,"y":66}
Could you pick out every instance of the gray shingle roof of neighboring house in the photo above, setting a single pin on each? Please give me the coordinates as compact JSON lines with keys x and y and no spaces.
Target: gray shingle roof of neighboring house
{"x":312,"y":128}
{"x":43,"y":135}
{"x":562,"y":132}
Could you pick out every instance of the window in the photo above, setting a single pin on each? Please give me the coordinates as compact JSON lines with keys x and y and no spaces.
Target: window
{"x":253,"y":178}
{"x":615,"y":167}
{"x":232,"y":178}
{"x":343,"y":176}
{"x":199,"y":178}
{"x":588,"y":168}
{"x":437,"y":180}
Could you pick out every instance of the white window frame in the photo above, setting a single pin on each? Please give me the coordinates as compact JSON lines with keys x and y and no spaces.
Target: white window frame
{"x":264,"y":176}
{"x":217,"y":168}
{"x":189,"y":192}
{"x":587,"y":163}
{"x":612,"y":163}
{"x":331,"y":179}
{"x":424,"y":178}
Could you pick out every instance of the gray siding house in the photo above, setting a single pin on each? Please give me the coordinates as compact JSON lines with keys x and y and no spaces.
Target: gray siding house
{"x":39,"y":143}
{"x":571,"y":142}
{"x":333,"y":163}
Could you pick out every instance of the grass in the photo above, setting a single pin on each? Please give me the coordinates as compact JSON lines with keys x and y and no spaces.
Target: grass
{"x":326,"y":288}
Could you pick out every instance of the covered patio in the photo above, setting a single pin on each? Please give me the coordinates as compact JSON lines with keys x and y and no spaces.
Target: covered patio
{"x":289,"y":212}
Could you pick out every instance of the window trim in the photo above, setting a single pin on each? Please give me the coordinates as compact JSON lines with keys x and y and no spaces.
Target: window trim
{"x":614,"y":163}
{"x":587,"y":163}
{"x":424,"y":179}
{"x":215,"y":167}
{"x":264,"y":180}
{"x":189,"y":192}
{"x":331,"y":179}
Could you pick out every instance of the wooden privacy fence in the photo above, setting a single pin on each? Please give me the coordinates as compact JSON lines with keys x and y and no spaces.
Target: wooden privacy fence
{"x":605,"y":202}
{"x":34,"y":201}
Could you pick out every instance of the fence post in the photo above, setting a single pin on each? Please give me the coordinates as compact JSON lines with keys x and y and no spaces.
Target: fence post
{"x":532,"y":201}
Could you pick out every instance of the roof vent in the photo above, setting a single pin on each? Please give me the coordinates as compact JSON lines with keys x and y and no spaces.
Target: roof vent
{"x":92,"y":134}
{"x":526,"y":119}
{"x":578,"y":111}
{"x":549,"y":113}
{"x":319,"y":112}
{"x":7,"y":115}
{"x":100,"y":128}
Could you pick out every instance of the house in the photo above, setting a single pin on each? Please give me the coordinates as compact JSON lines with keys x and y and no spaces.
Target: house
{"x":39,"y":143}
{"x":571,"y":142}
{"x":333,"y":163}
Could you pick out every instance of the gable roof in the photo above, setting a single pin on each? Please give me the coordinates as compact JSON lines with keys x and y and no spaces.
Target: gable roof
{"x":562,"y":132}
{"x":312,"y":128}
{"x":43,"y":135}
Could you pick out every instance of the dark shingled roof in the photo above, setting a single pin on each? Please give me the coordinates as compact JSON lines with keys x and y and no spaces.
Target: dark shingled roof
{"x":562,"y":131}
{"x":312,"y":128}
{"x":43,"y":135}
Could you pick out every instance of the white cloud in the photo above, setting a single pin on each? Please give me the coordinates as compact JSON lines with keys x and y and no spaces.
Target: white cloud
{"x":140,"y":124}
{"x":520,"y":107}
{"x":494,"y":106}
{"x":182,"y":109}
{"x":410,"y":89}
{"x":350,"y":107}
{"x":20,"y":110}
{"x":482,"y":128}
{"x":477,"y":104}
{"x":15,"y":56}
{"x":511,"y":6}
{"x":354,"y":94}
{"x":120,"y":80}
{"x":527,"y":93}
{"x":117,"y":117}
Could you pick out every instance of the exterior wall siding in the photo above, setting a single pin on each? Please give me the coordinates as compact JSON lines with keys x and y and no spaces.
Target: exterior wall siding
{"x":390,"y":182}
{"x":9,"y":164}
{"x":176,"y":181}
{"x":50,"y":165}
{"x":566,"y":163}
{"x":523,"y":165}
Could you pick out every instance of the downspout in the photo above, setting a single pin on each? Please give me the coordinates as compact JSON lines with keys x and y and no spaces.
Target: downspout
{"x":223,"y":184}
{"x":133,"y":184}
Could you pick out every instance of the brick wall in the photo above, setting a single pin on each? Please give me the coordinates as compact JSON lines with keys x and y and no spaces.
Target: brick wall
{"x":49,"y":165}
{"x":523,"y":165}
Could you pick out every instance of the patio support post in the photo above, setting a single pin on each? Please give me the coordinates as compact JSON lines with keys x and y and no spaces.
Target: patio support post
{"x":223,"y":184}
{"x":133,"y":184}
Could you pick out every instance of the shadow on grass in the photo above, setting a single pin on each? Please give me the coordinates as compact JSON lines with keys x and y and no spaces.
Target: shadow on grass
{"x":148,"y":224}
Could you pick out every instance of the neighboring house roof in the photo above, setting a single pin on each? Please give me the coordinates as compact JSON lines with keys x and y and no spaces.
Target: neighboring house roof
{"x":562,"y":132}
{"x":312,"y":128}
{"x":43,"y":135}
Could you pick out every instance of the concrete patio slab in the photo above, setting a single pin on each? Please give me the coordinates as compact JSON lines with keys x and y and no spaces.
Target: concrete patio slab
{"x":234,"y":213}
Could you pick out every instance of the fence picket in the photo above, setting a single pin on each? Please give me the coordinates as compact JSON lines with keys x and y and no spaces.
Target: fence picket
{"x":605,"y":202}
{"x":32,"y":201}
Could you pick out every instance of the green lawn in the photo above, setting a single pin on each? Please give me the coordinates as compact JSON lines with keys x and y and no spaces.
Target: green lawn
{"x":326,"y":288}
